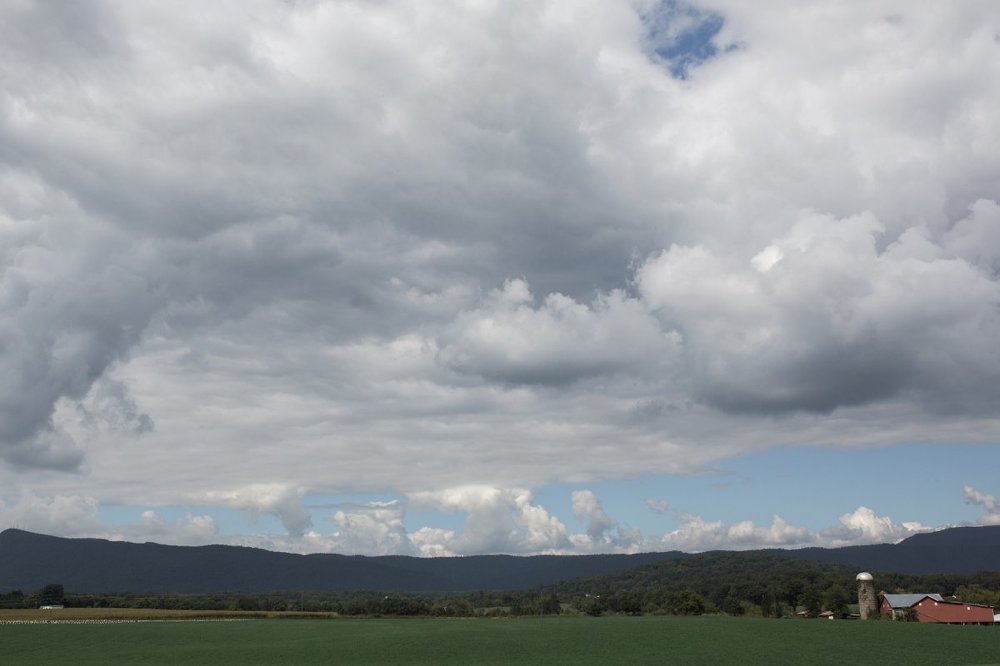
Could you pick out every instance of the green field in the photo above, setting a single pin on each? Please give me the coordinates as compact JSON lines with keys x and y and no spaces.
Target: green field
{"x":559,"y":640}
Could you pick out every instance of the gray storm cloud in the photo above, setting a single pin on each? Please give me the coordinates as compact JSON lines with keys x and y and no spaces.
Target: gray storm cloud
{"x":355,"y":246}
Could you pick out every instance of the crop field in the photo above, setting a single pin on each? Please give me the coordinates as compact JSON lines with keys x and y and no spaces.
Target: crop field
{"x":557,"y":640}
{"x":61,"y":615}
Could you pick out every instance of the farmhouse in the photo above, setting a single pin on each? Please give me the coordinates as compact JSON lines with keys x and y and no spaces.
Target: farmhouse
{"x":932,"y":608}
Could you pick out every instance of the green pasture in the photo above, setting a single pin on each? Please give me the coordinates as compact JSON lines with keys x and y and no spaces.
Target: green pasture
{"x":557,"y":640}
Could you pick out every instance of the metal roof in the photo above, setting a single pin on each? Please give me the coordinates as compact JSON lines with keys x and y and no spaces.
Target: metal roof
{"x":907,"y":600}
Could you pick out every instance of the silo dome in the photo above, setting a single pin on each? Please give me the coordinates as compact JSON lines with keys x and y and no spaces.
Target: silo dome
{"x":864,"y":575}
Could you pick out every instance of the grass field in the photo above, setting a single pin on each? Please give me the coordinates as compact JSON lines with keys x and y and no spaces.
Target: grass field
{"x":136,"y":614}
{"x":560,"y":640}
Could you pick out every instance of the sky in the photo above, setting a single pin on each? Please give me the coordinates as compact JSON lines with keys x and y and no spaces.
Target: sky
{"x":532,"y":276}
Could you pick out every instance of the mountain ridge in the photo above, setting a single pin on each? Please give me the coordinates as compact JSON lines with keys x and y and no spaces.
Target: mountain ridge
{"x":29,"y":561}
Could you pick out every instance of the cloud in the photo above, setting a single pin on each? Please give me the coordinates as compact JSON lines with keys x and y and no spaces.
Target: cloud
{"x":280,"y":500}
{"x":657,"y":506}
{"x":498,"y":520}
{"x":109,"y":406}
{"x":187,"y":530}
{"x":64,"y":515}
{"x":863,"y":526}
{"x":558,"y":342}
{"x":374,"y":529}
{"x":989,"y":504}
{"x":587,"y":507}
{"x":696,"y":534}
{"x":821,"y":318}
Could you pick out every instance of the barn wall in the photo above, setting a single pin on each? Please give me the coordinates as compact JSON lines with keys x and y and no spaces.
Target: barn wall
{"x":929,"y":610}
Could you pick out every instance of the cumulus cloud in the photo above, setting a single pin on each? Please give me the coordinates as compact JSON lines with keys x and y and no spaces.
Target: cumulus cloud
{"x":280,"y":500}
{"x":695,"y":534}
{"x":498,"y":520}
{"x":989,"y":503}
{"x":820,"y":318}
{"x":586,"y":506}
{"x":373,"y":529}
{"x":864,"y":526}
{"x":64,"y":515}
{"x":559,"y":341}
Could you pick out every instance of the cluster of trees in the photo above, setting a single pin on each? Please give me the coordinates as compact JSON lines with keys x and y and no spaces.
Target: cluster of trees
{"x":766,"y":584}
{"x":50,"y":595}
{"x":769,"y":584}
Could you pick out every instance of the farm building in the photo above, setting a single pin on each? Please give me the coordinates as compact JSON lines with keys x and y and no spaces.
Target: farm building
{"x":932,"y":608}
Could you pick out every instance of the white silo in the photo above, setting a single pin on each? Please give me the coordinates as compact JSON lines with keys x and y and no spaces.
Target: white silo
{"x":867,"y":603}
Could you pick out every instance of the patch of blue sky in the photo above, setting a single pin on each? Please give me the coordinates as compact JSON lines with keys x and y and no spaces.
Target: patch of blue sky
{"x":907,"y":482}
{"x":809,"y":487}
{"x":681,"y":36}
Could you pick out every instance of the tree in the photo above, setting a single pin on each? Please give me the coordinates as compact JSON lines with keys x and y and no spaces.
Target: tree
{"x":550,"y":604}
{"x":978,"y":594}
{"x":836,"y":600}
{"x":770,"y":606}
{"x":592,"y":605}
{"x":792,"y":591}
{"x":52,"y":595}
{"x":811,"y":600}
{"x":731,"y":605}
{"x":687,"y":602}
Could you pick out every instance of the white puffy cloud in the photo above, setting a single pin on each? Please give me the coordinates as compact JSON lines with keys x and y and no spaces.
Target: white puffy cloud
{"x":559,"y":341}
{"x":989,"y":503}
{"x":64,"y":515}
{"x":280,"y":500}
{"x":374,"y":529}
{"x":498,"y":520}
{"x":586,"y":506}
{"x":822,"y":318}
{"x":433,"y":542}
{"x":863,"y":526}
{"x":696,"y":534}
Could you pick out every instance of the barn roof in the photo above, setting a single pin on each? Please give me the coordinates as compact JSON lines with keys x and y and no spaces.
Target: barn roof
{"x":907,"y":600}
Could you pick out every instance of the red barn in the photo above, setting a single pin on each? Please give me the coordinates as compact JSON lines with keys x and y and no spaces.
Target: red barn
{"x":932,"y":608}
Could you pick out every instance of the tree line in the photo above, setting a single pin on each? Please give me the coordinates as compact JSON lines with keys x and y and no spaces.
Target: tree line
{"x":734,"y":583}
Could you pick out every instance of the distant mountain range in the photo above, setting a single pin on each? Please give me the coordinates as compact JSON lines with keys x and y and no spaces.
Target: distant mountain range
{"x":29,"y":561}
{"x":959,"y":550}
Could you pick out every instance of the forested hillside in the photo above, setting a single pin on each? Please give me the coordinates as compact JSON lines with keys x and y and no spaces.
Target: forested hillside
{"x":768,"y":582}
{"x":29,"y":561}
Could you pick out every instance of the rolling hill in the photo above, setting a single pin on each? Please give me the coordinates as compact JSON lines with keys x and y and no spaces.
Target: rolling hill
{"x":963,"y":550}
{"x":29,"y":561}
